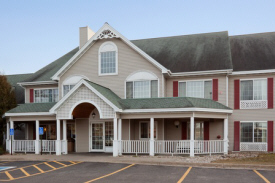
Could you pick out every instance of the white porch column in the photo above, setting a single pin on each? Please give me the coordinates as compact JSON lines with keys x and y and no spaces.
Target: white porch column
{"x":152,"y":150}
{"x":8,"y":137}
{"x":192,"y":144}
{"x":115,"y":142}
{"x":12,"y":137}
{"x":65,"y":142}
{"x":119,"y":136}
{"x":58,"y":141}
{"x":225,"y":136}
{"x":37,"y":148}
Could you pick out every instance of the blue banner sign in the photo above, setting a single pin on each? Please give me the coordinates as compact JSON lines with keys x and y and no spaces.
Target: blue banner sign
{"x":11,"y":131}
{"x":41,"y":131}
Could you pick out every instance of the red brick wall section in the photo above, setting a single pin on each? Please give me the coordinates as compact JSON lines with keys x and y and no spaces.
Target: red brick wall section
{"x":237,"y":94}
{"x":175,"y":88}
{"x":31,"y":95}
{"x":270,"y":93}
{"x":270,"y":136}
{"x":236,"y":136}
{"x":215,"y":90}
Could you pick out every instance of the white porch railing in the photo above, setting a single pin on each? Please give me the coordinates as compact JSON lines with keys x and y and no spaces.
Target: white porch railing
{"x":172,"y":146}
{"x":208,"y":146}
{"x":24,"y":146}
{"x":253,"y":146}
{"x":134,"y":146}
{"x":47,"y":146}
{"x":253,"y":104}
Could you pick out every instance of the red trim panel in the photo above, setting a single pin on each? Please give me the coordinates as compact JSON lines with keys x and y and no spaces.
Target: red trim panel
{"x":237,"y":94}
{"x":206,"y":130}
{"x":184,"y":131}
{"x":31,"y":95}
{"x":270,"y":133}
{"x":270,"y":93}
{"x":236,"y":136}
{"x":175,"y":88}
{"x":215,"y":90}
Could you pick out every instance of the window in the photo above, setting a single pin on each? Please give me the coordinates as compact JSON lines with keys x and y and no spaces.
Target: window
{"x":254,"y":89}
{"x":198,"y":130}
{"x":253,"y":131}
{"x":144,"y":127}
{"x":67,"y":88}
{"x":45,"y":95}
{"x":198,"y":89}
{"x":109,"y":136}
{"x":142,"y":89}
{"x":108,"y":59}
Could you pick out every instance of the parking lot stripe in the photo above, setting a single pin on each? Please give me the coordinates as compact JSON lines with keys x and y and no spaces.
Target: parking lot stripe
{"x":38,"y":168}
{"x":72,"y":162}
{"x":9,"y":175}
{"x":26,"y":173}
{"x":50,"y":165}
{"x":59,"y":163}
{"x":267,"y":181}
{"x":185,"y":174}
{"x":110,"y":174}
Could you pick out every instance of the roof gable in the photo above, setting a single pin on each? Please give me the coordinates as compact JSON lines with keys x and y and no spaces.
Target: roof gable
{"x":106,"y":31}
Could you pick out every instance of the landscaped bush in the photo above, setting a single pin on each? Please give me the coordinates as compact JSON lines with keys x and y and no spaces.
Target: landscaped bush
{"x":2,"y":151}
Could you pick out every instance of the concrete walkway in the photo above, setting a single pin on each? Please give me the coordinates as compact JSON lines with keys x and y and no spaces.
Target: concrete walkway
{"x":105,"y":157}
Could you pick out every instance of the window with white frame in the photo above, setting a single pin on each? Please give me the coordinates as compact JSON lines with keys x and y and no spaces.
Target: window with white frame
{"x":255,"y":89}
{"x":67,"y":88}
{"x":45,"y":95}
{"x":141,"y":84}
{"x":198,"y":89}
{"x":108,"y":59}
{"x":254,"y":132}
{"x":144,"y":127}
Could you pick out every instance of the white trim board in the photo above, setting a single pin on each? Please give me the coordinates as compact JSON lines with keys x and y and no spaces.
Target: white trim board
{"x":94,"y":38}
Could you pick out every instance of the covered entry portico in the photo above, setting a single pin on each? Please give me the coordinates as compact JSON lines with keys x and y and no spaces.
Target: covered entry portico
{"x":167,"y":133}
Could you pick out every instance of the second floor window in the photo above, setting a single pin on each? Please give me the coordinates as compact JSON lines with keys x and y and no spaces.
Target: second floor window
{"x":45,"y":95}
{"x":67,"y":88}
{"x":198,"y":89}
{"x":142,"y":89}
{"x":254,"y":89}
{"x":108,"y":59}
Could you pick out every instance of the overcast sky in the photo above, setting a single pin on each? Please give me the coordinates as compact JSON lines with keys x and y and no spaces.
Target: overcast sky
{"x":35,"y":33}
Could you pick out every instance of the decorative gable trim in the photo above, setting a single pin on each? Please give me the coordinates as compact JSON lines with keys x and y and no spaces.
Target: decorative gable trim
{"x":106,"y":31}
{"x":80,"y":83}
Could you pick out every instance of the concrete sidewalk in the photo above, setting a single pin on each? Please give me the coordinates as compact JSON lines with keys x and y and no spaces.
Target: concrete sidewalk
{"x":147,"y":160}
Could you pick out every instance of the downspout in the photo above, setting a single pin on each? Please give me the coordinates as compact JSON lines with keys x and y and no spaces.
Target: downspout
{"x":227,"y":90}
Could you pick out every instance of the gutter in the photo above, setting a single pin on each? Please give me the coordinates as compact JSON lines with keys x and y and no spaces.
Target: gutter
{"x":198,"y":73}
{"x":37,"y":83}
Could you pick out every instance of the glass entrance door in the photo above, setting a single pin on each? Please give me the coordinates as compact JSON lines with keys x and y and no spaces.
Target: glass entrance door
{"x":97,"y":136}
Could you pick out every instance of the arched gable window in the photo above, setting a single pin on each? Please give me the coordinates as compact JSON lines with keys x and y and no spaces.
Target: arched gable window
{"x":70,"y":82}
{"x":108,"y":59}
{"x":142,"y":84}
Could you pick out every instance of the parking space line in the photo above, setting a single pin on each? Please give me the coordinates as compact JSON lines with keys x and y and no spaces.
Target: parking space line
{"x":38,"y":168}
{"x":72,"y":162}
{"x":9,"y":175}
{"x":184,"y":175}
{"x":258,"y":173}
{"x":26,"y":173}
{"x":50,"y":165}
{"x":110,"y":174}
{"x":59,"y":163}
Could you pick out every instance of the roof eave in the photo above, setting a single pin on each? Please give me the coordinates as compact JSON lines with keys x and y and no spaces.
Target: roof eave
{"x":197,"y":73}
{"x":37,"y":83}
{"x":227,"y":111}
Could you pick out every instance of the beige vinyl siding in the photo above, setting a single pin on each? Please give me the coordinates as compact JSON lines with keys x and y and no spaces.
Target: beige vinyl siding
{"x":129,"y":61}
{"x":221,"y":85}
{"x":246,"y":114}
{"x":27,"y":90}
{"x":82,"y":135}
{"x":125,"y":129}
{"x":215,"y":129}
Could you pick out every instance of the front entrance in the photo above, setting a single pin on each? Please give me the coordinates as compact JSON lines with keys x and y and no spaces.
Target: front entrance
{"x":101,"y":136}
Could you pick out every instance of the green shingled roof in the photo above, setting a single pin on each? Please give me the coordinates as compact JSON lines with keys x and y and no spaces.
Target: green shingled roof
{"x":19,"y":91}
{"x":175,"y":102}
{"x":32,"y":107}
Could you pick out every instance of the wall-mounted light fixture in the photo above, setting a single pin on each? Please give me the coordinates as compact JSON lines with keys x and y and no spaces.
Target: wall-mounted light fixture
{"x":177,"y":123}
{"x":93,"y":114}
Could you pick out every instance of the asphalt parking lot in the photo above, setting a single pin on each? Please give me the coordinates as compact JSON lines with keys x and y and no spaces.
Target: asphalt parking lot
{"x":71,"y":171}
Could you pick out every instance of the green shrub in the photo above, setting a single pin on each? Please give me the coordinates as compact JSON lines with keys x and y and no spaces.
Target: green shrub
{"x":2,"y":151}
